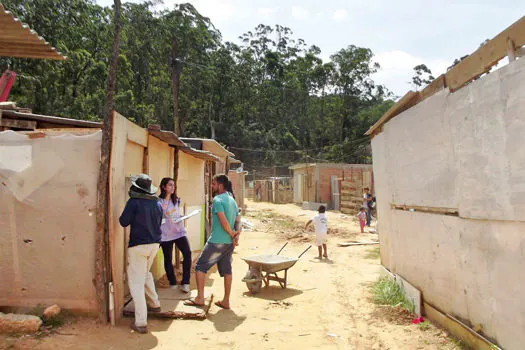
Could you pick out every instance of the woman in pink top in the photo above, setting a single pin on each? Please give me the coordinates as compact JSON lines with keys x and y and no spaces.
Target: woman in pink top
{"x":173,"y":233}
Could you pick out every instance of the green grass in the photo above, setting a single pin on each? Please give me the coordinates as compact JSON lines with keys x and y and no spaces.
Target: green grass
{"x":459,"y":344}
{"x":388,"y":292}
{"x":373,"y":253}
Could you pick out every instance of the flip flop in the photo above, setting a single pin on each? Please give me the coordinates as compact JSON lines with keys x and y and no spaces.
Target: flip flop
{"x":192,"y":302}
{"x":219,"y":304}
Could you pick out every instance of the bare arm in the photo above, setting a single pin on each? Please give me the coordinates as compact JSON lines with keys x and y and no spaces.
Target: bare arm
{"x":307,"y":224}
{"x":225,"y":224}
{"x":237,"y":227}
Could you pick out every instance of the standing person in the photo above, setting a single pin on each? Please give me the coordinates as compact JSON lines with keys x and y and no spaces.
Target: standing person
{"x":144,"y":213}
{"x":219,"y":247}
{"x":362,"y":218}
{"x":320,"y":222}
{"x":367,"y":199}
{"x":174,"y":234}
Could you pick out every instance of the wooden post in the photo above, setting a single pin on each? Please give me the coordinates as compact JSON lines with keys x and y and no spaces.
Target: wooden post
{"x":102,"y":263}
{"x":511,"y":50}
{"x":145,"y":161}
{"x":175,"y":168}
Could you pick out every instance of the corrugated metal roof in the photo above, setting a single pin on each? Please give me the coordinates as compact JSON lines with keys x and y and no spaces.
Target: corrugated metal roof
{"x":18,"y":40}
{"x":218,"y":149}
{"x":167,"y":136}
{"x":204,"y":155}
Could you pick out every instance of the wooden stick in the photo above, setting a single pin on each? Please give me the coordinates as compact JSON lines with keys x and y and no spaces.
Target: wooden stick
{"x":356,"y":243}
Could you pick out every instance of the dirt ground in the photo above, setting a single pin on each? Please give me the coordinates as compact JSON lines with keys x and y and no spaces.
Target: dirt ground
{"x":327,"y":303}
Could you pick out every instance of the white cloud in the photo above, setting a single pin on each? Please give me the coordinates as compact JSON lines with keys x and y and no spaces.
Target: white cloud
{"x":300,"y":13}
{"x":267,"y":12}
{"x":397,"y":69}
{"x":340,"y":15}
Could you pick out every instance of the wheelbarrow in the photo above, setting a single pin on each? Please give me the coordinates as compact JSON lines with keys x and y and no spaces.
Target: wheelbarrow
{"x":264,"y":268}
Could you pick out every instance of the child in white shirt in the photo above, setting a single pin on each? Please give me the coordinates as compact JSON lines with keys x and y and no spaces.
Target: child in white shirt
{"x":320,"y":222}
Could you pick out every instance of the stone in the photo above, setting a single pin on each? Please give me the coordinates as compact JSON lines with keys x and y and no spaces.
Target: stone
{"x":51,"y":312}
{"x":15,"y":323}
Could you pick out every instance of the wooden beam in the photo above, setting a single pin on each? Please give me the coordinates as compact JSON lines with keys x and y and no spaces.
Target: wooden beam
{"x":486,"y":56}
{"x":407,"y":101}
{"x":511,"y":51}
{"x":457,"y":329}
{"x":435,"y":86}
{"x":424,"y":209}
{"x":18,"y":123}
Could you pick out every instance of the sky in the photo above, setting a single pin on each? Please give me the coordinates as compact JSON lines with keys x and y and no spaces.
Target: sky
{"x":401,"y":33}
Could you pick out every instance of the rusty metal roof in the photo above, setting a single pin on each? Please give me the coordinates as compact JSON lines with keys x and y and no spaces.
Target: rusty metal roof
{"x":18,"y":40}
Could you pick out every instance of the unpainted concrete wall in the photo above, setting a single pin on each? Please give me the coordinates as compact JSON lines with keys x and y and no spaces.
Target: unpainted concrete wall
{"x":462,"y":150}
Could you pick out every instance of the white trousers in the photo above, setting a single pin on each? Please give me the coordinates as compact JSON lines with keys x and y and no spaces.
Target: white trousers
{"x":141,"y":283}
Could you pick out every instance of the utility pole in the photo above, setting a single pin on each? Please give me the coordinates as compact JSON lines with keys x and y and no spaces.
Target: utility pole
{"x":175,"y":71}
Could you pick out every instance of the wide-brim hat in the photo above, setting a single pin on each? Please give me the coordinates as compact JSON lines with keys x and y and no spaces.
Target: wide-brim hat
{"x":143,"y":182}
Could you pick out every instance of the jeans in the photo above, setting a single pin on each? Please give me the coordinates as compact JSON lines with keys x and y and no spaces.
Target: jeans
{"x":216,"y":253}
{"x":167,"y":249}
{"x":368,"y":216}
{"x":140,"y":280}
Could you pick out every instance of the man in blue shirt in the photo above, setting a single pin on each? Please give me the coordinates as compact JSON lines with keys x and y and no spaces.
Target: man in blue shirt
{"x":225,"y":225}
{"x":144,"y":213}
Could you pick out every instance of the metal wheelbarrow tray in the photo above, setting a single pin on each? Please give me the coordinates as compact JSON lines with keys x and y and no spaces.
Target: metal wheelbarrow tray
{"x":267,"y":267}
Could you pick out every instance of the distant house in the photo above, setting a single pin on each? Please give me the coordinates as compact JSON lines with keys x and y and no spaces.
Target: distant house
{"x":331,"y":183}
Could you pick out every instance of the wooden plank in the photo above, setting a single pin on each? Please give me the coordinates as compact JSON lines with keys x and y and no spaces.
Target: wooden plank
{"x":18,"y":123}
{"x":423,"y":209}
{"x":486,"y":56}
{"x":65,"y":131}
{"x":511,"y":51}
{"x":407,"y":101}
{"x":136,"y":134}
{"x":174,"y":314}
{"x":457,"y":329}
{"x":435,"y":86}
{"x":351,"y":244}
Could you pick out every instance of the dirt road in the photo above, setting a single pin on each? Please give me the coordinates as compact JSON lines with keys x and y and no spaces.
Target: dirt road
{"x":327,"y":303}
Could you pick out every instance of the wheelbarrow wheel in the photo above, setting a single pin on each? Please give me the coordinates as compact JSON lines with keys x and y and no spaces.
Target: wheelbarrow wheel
{"x":253,"y":280}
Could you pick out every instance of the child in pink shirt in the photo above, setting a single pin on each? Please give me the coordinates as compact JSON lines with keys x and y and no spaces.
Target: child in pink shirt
{"x":362,"y":218}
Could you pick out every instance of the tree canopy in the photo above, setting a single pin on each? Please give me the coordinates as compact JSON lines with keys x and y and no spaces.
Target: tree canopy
{"x":270,"y":96}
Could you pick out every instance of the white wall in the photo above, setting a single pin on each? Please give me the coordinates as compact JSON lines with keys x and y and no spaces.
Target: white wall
{"x":463,"y":150}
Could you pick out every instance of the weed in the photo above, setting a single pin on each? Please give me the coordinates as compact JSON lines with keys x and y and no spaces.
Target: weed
{"x":388,"y":292}
{"x":373,"y":253}
{"x":459,"y":344}
{"x":424,"y":325}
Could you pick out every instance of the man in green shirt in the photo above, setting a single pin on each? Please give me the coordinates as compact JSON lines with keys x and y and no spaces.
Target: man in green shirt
{"x":225,"y":230}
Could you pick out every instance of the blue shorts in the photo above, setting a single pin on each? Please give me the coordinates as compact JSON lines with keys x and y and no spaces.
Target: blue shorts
{"x":213,"y":253}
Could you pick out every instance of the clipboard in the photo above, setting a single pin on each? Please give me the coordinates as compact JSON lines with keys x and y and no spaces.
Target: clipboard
{"x":187,"y":216}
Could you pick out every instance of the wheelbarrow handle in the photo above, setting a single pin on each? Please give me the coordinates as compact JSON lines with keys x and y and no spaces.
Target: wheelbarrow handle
{"x":281,"y":248}
{"x":304,"y":251}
